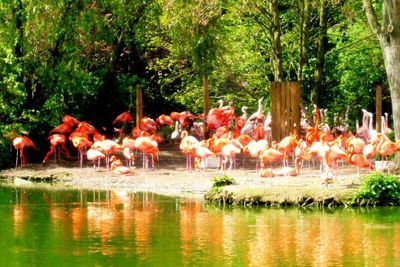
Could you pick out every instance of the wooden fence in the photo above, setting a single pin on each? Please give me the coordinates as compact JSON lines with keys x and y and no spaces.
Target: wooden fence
{"x":285,"y":109}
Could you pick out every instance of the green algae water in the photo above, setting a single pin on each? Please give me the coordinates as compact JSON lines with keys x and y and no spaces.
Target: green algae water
{"x":40,"y":227}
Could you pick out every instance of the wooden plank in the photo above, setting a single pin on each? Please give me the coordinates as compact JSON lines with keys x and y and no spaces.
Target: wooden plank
{"x":378,"y":107}
{"x":274,"y":111}
{"x":288,"y":126}
{"x":296,"y":106}
{"x":272,"y":105}
{"x":282,"y":113}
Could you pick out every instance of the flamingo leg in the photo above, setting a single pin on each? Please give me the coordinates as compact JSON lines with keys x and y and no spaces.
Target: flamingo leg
{"x":16,"y":159}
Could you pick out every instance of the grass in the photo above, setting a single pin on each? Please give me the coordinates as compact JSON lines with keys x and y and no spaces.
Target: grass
{"x":375,"y":189}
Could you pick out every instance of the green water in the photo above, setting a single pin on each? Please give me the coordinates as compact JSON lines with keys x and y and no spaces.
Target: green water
{"x":41,"y":227}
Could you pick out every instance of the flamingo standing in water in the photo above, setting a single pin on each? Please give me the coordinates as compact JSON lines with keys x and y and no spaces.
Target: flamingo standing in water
{"x":20,"y":143}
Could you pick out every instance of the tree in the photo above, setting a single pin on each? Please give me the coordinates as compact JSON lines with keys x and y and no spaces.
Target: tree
{"x":195,"y":36}
{"x":388,"y":34}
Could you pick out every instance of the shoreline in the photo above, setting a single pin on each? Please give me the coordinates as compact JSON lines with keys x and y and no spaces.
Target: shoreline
{"x":170,"y":178}
{"x":176,"y":181}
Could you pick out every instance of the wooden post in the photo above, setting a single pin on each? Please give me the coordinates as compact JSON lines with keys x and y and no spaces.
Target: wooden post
{"x":295,"y":92}
{"x":139,"y":104}
{"x":285,"y":109}
{"x":378,"y":111}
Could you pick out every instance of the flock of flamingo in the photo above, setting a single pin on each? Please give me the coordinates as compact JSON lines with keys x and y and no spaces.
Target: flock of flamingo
{"x":222,"y":135}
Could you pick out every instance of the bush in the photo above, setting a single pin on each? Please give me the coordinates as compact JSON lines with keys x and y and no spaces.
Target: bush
{"x":223,"y":180}
{"x":378,"y":189}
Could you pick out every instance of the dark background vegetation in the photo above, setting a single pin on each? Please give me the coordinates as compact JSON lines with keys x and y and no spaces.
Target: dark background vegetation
{"x":86,"y":58}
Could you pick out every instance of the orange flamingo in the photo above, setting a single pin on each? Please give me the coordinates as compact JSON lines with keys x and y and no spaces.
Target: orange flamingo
{"x":270,"y":155}
{"x":81,"y":143}
{"x":20,"y":143}
{"x":253,"y":149}
{"x":70,"y":120}
{"x":360,"y":161}
{"x":146,"y":146}
{"x":355,"y":145}
{"x":122,"y":118}
{"x":148,"y":124}
{"x":287,"y":146}
{"x":64,"y":128}
{"x":56,"y":140}
{"x":164,"y":120}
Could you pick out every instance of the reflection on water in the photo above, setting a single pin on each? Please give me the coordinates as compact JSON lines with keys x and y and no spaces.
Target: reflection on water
{"x":86,"y":228}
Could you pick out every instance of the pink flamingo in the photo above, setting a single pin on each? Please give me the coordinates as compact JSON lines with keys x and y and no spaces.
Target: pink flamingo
{"x":56,"y":140}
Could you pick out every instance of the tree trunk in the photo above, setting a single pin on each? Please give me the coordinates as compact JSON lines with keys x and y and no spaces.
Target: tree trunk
{"x":206,"y":95}
{"x":139,"y":104}
{"x":304,"y":8}
{"x":276,"y":41}
{"x":317,"y":91}
{"x":389,"y":38}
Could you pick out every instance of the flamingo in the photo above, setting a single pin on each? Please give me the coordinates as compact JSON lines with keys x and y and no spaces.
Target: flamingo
{"x":254,"y":149}
{"x":175,"y":133}
{"x":146,"y":146}
{"x":129,"y":156}
{"x":93,"y":155}
{"x":20,"y":143}
{"x":122,"y":118}
{"x":363,"y":131}
{"x":81,"y":143}
{"x":360,"y":161}
{"x":70,"y":120}
{"x":385,"y":147}
{"x":64,"y":128}
{"x":229,"y":152}
{"x":187,"y":146}
{"x":385,"y":129}
{"x":201,"y":153}
{"x":240,"y":121}
{"x":109,"y":147}
{"x":259,"y":114}
{"x":118,"y":168}
{"x":285,"y":171}
{"x":128,"y":144}
{"x":287,"y":146}
{"x":355,"y":145}
{"x":148,"y":124}
{"x":164,"y":120}
{"x":56,"y":140}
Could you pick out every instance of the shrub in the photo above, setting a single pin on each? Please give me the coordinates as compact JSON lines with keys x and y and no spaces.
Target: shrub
{"x":223,"y":180}
{"x":378,"y":189}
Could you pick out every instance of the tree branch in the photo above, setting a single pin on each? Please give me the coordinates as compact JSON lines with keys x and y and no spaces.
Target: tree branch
{"x":371,"y":16}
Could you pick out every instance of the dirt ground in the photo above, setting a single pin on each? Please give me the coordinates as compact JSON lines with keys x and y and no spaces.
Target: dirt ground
{"x":169,"y":177}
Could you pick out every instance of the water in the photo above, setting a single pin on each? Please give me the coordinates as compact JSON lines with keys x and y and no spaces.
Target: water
{"x":40,"y":227}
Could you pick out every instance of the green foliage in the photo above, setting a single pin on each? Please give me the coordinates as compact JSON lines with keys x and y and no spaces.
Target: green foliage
{"x":85,"y":58}
{"x":223,"y":180}
{"x":378,"y":189}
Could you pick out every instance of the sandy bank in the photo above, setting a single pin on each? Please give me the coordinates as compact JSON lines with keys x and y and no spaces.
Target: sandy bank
{"x":170,"y":177}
